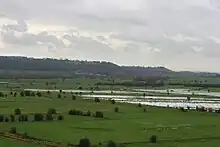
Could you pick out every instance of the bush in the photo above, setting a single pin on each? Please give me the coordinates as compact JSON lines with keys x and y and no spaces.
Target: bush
{"x":13,"y":130}
{"x":49,"y":116}
{"x":38,"y":117}
{"x":139,"y":105}
{"x":59,"y":96}
{"x":11,"y":93}
{"x":73,"y":97}
{"x":12,"y":118}
{"x":52,"y":111}
{"x":6,"y":119}
{"x":88,"y":113}
{"x":60,"y":117}
{"x":153,"y":139}
{"x":1,"y":118}
{"x":17,"y":111}
{"x":84,"y":143}
{"x":38,"y":94}
{"x":116,"y":109}
{"x":97,"y":100}
{"x":15,"y":94}
{"x":99,"y":114}
{"x":27,"y":93}
{"x":111,"y":144}
{"x":22,"y":94}
{"x":2,"y":94}
{"x":61,"y":91}
{"x":145,"y":110}
{"x":32,"y":94}
{"x":112,"y":101}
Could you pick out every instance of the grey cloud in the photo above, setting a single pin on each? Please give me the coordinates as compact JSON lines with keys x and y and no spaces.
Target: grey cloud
{"x":28,"y":39}
{"x":139,"y":24}
{"x":21,"y":26}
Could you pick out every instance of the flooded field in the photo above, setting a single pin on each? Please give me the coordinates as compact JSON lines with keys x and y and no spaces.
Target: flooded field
{"x":160,"y":101}
{"x":181,"y":91}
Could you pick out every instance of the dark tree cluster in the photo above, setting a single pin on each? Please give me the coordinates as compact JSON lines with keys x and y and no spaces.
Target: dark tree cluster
{"x":86,"y":113}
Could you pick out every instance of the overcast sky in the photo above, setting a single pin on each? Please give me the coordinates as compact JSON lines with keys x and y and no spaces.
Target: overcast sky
{"x":178,"y":34}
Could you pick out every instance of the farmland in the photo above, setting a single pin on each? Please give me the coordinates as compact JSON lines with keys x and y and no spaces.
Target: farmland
{"x":131,"y":126}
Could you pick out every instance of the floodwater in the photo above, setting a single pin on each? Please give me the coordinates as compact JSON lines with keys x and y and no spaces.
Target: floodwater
{"x":181,"y":91}
{"x":159,"y":101}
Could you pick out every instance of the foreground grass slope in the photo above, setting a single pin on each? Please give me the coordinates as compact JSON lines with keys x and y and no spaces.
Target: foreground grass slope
{"x":131,"y":125}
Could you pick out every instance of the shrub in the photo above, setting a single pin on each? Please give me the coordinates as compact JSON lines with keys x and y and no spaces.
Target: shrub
{"x":153,"y":139}
{"x":88,"y":113}
{"x":12,"y":118}
{"x":17,"y":111}
{"x":6,"y":119}
{"x":38,"y":117}
{"x":60,"y":117}
{"x":49,"y":116}
{"x":22,"y":94}
{"x":27,"y":93}
{"x":32,"y":94}
{"x":145,"y":110}
{"x":1,"y":118}
{"x":139,"y":105}
{"x":97,"y":100}
{"x":38,"y":94}
{"x":11,"y":93}
{"x":61,"y":91}
{"x":99,"y":114}
{"x":113,"y":101}
{"x":116,"y":109}
{"x":13,"y":130}
{"x":15,"y":94}
{"x":73,"y":97}
{"x":2,"y":94}
{"x":84,"y":143}
{"x":52,"y":111}
{"x":59,"y":96}
{"x":48,"y":92}
{"x":111,"y":144}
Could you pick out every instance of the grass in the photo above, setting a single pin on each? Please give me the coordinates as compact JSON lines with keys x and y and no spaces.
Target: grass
{"x":8,"y":143}
{"x":131,"y":125}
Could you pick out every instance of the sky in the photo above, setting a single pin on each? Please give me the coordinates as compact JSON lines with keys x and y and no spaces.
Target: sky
{"x":178,"y":34}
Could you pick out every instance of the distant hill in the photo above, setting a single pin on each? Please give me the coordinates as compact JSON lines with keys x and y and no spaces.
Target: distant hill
{"x":76,"y":67}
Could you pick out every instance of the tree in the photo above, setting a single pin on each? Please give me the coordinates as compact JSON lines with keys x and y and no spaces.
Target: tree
{"x":38,"y":117}
{"x":17,"y":111}
{"x":52,"y":111}
{"x":12,"y":118}
{"x":139,"y":105}
{"x":111,"y":144}
{"x":84,"y":143}
{"x":153,"y":139}
{"x":99,"y":114}
{"x":38,"y":94}
{"x":113,"y":101}
{"x":116,"y":109}
{"x":60,"y":117}
{"x":27,"y":93}
{"x":73,"y":97}
{"x":22,"y":94}
{"x":97,"y":100}
{"x":6,"y":119}
{"x":15,"y":94}
{"x":188,"y":98}
{"x":13,"y":130}
{"x":1,"y":118}
{"x":2,"y":94}
{"x":59,"y":96}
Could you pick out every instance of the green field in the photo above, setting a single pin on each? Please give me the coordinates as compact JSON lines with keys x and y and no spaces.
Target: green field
{"x":131,"y":125}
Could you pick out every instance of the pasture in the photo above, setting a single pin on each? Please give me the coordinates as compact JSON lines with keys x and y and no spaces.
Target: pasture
{"x":131,"y":126}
